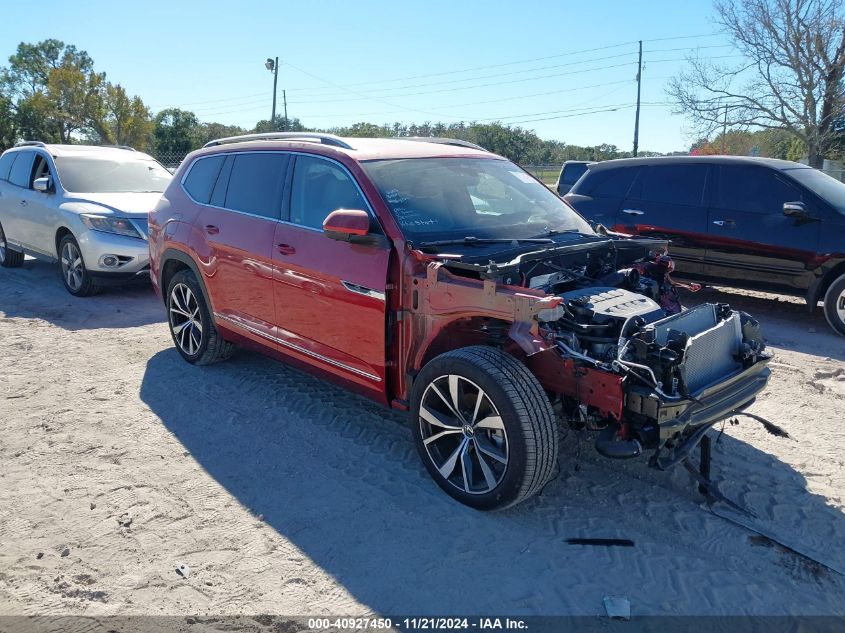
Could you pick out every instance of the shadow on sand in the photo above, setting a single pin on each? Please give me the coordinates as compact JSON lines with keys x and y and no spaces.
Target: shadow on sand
{"x":339,"y":477}
{"x":27,"y":288}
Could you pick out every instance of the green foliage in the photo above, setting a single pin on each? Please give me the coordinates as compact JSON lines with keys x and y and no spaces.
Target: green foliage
{"x":176,"y":132}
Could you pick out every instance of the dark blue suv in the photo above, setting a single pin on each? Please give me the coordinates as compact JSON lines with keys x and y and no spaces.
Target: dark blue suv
{"x":755,"y":223}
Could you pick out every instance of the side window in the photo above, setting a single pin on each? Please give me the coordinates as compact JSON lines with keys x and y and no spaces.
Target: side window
{"x":202,"y":177}
{"x":754,"y":189}
{"x":320,"y":187}
{"x":42,"y":168}
{"x":674,"y":184}
{"x":607,"y":183}
{"x":255,"y":184}
{"x":571,"y":173}
{"x":6,"y":164}
{"x":22,"y":169}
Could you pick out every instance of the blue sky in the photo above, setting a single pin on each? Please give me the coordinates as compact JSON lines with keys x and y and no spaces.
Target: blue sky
{"x":564,"y":69}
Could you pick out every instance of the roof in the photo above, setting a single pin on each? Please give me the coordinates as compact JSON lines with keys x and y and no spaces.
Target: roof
{"x":57,"y":150}
{"x":358,"y":148}
{"x":774,"y":163}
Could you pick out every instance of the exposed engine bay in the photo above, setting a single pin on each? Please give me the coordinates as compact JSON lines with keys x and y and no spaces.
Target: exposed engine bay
{"x":622,"y":357}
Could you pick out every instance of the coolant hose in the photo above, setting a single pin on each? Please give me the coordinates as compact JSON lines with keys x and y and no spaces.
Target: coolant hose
{"x":608,"y":446}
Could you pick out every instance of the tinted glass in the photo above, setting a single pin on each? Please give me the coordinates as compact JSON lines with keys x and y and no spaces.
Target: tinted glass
{"x":320,"y":187}
{"x":674,"y":184}
{"x":202,"y":177}
{"x":449,"y":198}
{"x":126,"y":174}
{"x":754,"y":189}
{"x":6,"y":164}
{"x":571,"y":173}
{"x":218,"y":196}
{"x":255,"y":184}
{"x":827,"y":188}
{"x":22,"y":169}
{"x":607,"y":183}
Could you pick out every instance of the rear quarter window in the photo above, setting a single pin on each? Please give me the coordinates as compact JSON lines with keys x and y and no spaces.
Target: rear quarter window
{"x":6,"y":164}
{"x":201,"y":178}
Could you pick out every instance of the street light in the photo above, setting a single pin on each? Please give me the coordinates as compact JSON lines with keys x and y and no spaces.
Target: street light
{"x":273,"y":67}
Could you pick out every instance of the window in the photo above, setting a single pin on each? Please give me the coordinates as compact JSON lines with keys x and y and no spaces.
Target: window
{"x":201,"y":178}
{"x":99,"y":174}
{"x":828,"y":189}
{"x":674,"y":184}
{"x":754,"y":189}
{"x":320,"y":187}
{"x":6,"y":164}
{"x":42,"y":169}
{"x":572,"y":172}
{"x":22,"y":169}
{"x":255,"y":184}
{"x":607,"y":183}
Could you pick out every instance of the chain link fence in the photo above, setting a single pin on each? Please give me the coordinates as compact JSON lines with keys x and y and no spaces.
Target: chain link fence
{"x":170,"y":160}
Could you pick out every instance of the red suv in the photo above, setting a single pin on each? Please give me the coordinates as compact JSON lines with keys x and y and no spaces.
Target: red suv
{"x":435,"y":277}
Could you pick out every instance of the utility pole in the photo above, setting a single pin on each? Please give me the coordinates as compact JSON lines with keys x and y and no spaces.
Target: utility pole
{"x":273,"y":67}
{"x":639,"y":85}
{"x":285,"y":100}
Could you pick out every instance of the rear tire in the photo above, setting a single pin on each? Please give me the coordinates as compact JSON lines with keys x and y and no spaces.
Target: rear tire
{"x":834,"y":305}
{"x":193,"y":331}
{"x":484,"y":427}
{"x":8,"y":257}
{"x":75,"y":276}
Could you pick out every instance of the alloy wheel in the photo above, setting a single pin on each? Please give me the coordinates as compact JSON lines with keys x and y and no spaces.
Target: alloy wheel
{"x":839,"y":306}
{"x":185,"y":319}
{"x":464,"y":434}
{"x":2,"y":246}
{"x":72,"y":266}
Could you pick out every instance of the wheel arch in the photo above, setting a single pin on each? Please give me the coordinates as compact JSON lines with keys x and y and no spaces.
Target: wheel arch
{"x":817,"y":291}
{"x":61,"y":232}
{"x":174,"y":260}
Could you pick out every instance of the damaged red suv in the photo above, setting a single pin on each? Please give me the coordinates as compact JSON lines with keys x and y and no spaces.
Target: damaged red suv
{"x":435,"y":277}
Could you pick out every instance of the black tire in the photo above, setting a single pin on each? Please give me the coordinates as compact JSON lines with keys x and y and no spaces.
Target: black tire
{"x":531,"y":443}
{"x":211,"y":347}
{"x":834,"y":305}
{"x":82,"y":285}
{"x":8,"y":257}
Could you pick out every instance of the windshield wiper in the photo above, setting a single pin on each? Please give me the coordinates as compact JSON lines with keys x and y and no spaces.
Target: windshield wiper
{"x":550,"y":232}
{"x":469,"y":240}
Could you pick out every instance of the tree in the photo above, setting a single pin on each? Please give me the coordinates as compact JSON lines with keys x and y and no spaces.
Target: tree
{"x":176,"y":132}
{"x":280,"y":125}
{"x":791,"y":78}
{"x":118,"y":119}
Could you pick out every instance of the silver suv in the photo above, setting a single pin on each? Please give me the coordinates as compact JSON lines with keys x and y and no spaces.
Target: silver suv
{"x":83,"y":206}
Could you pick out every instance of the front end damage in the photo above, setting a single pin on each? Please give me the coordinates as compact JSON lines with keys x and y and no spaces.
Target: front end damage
{"x":599,"y":326}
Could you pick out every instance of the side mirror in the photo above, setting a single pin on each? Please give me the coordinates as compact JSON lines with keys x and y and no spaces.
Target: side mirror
{"x":347,"y":225}
{"x":42,"y":184}
{"x":795,"y":210}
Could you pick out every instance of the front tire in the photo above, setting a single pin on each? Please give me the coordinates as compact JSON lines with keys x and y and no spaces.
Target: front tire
{"x":191,"y":326}
{"x":75,"y":276}
{"x":8,"y":257}
{"x":834,"y":305}
{"x":484,"y":427}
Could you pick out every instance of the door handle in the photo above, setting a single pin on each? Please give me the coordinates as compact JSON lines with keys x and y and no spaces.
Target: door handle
{"x":633,"y":211}
{"x":727,"y":223}
{"x":285,"y":249}
{"x":23,"y":203}
{"x":211,"y":229}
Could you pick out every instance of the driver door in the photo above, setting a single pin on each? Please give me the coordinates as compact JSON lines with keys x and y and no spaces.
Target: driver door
{"x":330,"y":295}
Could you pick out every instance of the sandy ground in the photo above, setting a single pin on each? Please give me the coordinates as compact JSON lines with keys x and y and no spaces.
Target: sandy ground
{"x":286,"y":495}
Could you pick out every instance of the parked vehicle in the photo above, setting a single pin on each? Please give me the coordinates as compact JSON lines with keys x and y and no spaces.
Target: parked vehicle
{"x":571,"y":171}
{"x":441,"y":279}
{"x":754,"y":223}
{"x":83,"y":206}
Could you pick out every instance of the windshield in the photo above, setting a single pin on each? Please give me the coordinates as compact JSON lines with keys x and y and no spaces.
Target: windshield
{"x":451,"y":198}
{"x":827,"y":188}
{"x":106,"y":175}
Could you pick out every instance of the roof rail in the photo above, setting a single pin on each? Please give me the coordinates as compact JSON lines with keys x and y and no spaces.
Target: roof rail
{"x":310,"y":137}
{"x":442,"y":141}
{"x":30,"y":144}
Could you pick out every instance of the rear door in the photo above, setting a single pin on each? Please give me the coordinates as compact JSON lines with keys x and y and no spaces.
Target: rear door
{"x":16,"y":199}
{"x":330,"y":295}
{"x":751,"y":241}
{"x":238,"y":226}
{"x":668,"y":201}
{"x":599,"y":195}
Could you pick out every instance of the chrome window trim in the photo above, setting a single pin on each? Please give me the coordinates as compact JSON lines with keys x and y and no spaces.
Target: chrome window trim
{"x":297,"y":348}
{"x":292,"y":154}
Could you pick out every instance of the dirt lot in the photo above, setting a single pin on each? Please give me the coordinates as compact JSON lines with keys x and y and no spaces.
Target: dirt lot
{"x":283,"y":494}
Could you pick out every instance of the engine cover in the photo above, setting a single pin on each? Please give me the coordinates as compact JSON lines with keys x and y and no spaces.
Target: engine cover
{"x":601,"y":305}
